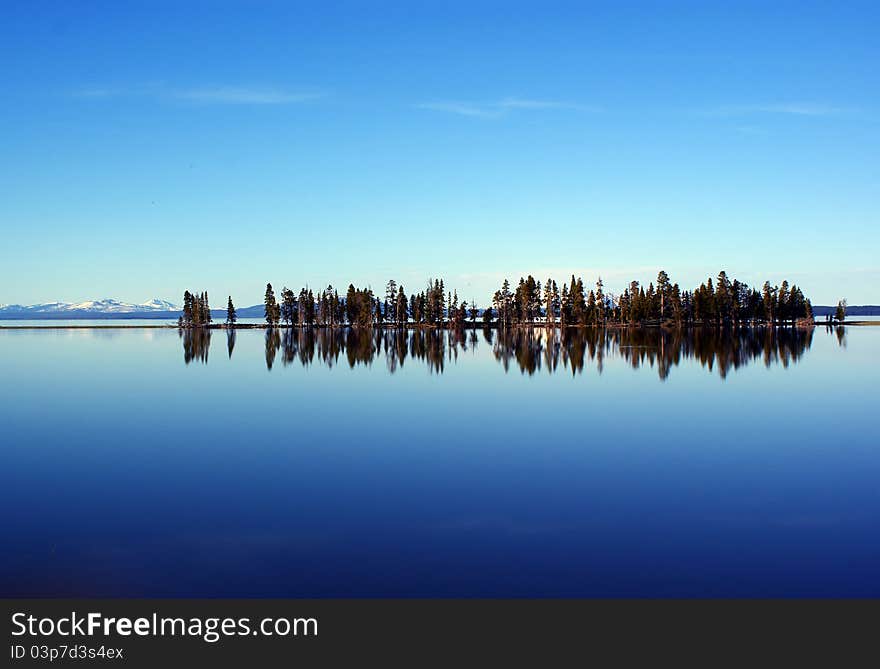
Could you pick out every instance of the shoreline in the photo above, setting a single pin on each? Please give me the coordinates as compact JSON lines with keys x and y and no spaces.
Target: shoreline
{"x":468,"y":326}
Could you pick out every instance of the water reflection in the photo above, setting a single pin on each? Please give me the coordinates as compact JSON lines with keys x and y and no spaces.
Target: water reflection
{"x":528,"y":350}
{"x":230,"y":341}
{"x":840,"y":331}
{"x":196,"y":344}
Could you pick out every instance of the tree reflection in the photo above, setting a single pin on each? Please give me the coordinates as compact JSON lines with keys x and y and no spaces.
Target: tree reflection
{"x":273,"y":343}
{"x":529,"y":350}
{"x":196,"y":342}
{"x":230,"y":341}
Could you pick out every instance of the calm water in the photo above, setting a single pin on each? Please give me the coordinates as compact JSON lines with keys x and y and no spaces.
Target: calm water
{"x":143,"y":462}
{"x":100,"y":322}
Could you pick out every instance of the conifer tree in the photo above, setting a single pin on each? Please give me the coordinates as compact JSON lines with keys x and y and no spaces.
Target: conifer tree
{"x":565,"y":306}
{"x":400,"y":315}
{"x":663,"y":291}
{"x":675,"y":298}
{"x":769,"y":302}
{"x":600,"y":302}
{"x":391,"y":299}
{"x":578,"y":302}
{"x":288,"y":306}
{"x":782,"y":303}
{"x":271,"y":310}
{"x":230,"y":315}
{"x":505,"y":304}
{"x":378,"y":313}
{"x":187,"y":309}
{"x":549,"y":308}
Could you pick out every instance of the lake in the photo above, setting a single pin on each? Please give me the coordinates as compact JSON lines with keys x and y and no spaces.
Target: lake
{"x":626,"y":463}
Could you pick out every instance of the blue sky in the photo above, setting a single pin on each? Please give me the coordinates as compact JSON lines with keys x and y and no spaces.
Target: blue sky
{"x":152,"y":147}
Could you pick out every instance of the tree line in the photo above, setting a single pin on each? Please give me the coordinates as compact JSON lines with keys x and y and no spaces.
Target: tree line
{"x":721,"y":301}
{"x":362,"y":307}
{"x":196,"y":310}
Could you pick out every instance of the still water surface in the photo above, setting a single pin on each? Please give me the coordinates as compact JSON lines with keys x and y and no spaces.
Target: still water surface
{"x":143,"y":462}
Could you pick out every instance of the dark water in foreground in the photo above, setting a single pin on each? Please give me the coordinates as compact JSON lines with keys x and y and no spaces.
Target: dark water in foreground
{"x":340,"y":463}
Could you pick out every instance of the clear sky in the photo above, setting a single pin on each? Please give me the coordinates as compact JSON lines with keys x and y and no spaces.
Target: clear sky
{"x":157,"y":146}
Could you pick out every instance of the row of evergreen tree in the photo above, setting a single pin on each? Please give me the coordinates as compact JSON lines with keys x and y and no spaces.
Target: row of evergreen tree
{"x":721,"y":301}
{"x":361,"y":307}
{"x":196,"y":310}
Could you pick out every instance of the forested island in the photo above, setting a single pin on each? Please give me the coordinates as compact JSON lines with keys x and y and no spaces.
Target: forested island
{"x":719,"y":302}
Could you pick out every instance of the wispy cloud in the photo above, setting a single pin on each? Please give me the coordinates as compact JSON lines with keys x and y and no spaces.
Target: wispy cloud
{"x":220,"y":95}
{"x":791,"y":108}
{"x":498,"y":108}
{"x":525,"y":103}
{"x":462,"y":109}
{"x":236,"y":95}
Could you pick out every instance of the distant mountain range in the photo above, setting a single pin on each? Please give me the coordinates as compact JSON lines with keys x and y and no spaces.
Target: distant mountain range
{"x":851,"y":311}
{"x":110,"y":308}
{"x":162,"y":309}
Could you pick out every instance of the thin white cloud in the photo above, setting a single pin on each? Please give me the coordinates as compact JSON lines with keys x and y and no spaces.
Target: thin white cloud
{"x":525,"y":103}
{"x":791,"y":108}
{"x":460,"y":108}
{"x":502,"y":107}
{"x":237,"y":95}
{"x":220,"y":95}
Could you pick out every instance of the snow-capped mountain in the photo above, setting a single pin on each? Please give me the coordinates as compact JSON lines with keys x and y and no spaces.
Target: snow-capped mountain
{"x":159,"y":305}
{"x":117,"y":307}
{"x":96,"y":307}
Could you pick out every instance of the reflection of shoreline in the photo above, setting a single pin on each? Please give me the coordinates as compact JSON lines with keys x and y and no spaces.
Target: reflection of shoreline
{"x":530,"y":350}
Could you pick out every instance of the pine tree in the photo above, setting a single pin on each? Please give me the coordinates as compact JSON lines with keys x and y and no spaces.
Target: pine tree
{"x":675,"y":298}
{"x":310,"y":308}
{"x":565,"y":307}
{"x":505,"y":304}
{"x":230,"y":316}
{"x":769,"y":302}
{"x":187,"y":309}
{"x":663,"y":291}
{"x":549,"y":307}
{"x":400,"y":315}
{"x":390,"y":299}
{"x":578,"y":302}
{"x":782,"y":303}
{"x":301,"y":307}
{"x":288,"y":306}
{"x":271,"y":311}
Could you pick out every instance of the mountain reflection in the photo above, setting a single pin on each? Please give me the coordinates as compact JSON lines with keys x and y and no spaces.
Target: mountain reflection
{"x":530,"y":351}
